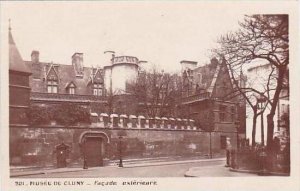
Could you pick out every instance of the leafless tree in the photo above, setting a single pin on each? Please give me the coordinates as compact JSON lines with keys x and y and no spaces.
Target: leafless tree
{"x":156,"y":91}
{"x":260,"y":38}
{"x":251,"y":94}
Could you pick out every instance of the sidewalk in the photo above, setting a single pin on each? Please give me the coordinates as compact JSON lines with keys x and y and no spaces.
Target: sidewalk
{"x":215,"y":171}
{"x":260,"y":173}
{"x":127,"y":164}
{"x":221,"y":170}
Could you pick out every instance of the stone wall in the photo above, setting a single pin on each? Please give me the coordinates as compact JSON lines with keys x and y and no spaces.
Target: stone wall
{"x":36,"y":146}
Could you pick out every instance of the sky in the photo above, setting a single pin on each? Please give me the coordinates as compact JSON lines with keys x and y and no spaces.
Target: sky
{"x":161,"y":33}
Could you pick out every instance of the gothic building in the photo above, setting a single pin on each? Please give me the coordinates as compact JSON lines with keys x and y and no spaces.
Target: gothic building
{"x":202,"y":117}
{"x":204,"y":98}
{"x":54,"y":83}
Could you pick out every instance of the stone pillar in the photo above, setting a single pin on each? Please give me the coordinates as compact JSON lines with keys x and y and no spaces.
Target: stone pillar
{"x":94,"y":117}
{"x":185,"y":123}
{"x":157,"y":122}
{"x":104,"y":117}
{"x":164,"y":122}
{"x":192,"y":124}
{"x":133,"y":120}
{"x":178,"y":123}
{"x":172,"y":122}
{"x":151,"y":123}
{"x":142,"y":121}
{"x":115,"y":120}
{"x":124,"y":121}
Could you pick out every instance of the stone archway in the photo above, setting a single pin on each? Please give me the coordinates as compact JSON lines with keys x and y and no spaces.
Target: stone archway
{"x":93,"y":147}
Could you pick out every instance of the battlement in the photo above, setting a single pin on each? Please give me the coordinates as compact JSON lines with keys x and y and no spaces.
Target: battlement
{"x":125,"y":59}
{"x":141,"y":122}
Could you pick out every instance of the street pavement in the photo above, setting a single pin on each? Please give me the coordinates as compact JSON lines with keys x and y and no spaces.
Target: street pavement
{"x":218,"y":170}
{"x":200,"y":168}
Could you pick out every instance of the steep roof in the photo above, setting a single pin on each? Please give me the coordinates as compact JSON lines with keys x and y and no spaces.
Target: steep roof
{"x":66,"y":75}
{"x":16,"y":62}
{"x":208,"y":74}
{"x":211,"y":79}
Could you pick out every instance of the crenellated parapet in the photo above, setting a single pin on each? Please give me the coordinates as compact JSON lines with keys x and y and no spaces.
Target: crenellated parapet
{"x":141,"y":122}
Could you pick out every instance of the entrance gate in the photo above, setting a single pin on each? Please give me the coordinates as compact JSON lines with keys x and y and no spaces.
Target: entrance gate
{"x":93,"y":151}
{"x":93,"y":147}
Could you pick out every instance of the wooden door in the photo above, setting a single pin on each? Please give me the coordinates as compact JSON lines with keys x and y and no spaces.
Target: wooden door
{"x":93,"y":151}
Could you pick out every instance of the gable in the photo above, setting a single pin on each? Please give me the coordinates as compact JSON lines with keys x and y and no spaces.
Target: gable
{"x":52,"y":74}
{"x":223,"y":85}
{"x":98,"y":77}
{"x":70,"y":85}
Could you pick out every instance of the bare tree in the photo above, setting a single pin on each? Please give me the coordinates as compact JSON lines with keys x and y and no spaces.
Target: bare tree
{"x":260,"y":38}
{"x":246,"y":91}
{"x":157,"y":91}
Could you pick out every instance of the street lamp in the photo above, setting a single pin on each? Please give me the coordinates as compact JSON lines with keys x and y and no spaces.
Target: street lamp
{"x":120,"y":151}
{"x":237,"y":124}
{"x":260,"y":101}
{"x":85,"y":165}
{"x":210,"y":149}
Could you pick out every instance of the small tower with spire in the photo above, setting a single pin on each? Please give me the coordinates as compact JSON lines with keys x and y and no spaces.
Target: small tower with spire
{"x":19,"y":89}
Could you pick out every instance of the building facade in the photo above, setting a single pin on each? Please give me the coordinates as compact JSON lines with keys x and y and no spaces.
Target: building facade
{"x":114,"y":114}
{"x":204,"y":98}
{"x":259,"y":74}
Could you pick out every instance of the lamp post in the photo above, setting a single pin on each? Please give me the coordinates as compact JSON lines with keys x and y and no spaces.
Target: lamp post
{"x":85,"y":165}
{"x":120,"y":151}
{"x":210,"y":149}
{"x":261,"y":100}
{"x":237,"y":124}
{"x":234,"y":159}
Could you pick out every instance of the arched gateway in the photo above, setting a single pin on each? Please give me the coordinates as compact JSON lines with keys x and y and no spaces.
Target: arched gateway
{"x":93,"y":147}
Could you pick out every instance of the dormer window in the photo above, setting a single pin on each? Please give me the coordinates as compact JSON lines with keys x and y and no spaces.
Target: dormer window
{"x":52,"y":86}
{"x":70,"y":88}
{"x":97,"y":89}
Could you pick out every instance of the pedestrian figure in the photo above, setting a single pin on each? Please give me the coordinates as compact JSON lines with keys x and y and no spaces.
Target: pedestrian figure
{"x":85,"y":166}
{"x":228,"y":150}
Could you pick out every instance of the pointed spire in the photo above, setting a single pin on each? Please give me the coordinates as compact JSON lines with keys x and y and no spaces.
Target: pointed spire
{"x":16,"y":62}
{"x":10,"y":38}
{"x":9,"y":26}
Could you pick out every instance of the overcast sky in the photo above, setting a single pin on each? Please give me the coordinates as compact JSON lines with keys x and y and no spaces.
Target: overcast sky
{"x":162,"y":33}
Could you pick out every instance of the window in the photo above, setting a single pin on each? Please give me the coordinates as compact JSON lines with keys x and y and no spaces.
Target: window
{"x":52,"y":86}
{"x":222,"y":112}
{"x":232,"y":113}
{"x":71,"y":89}
{"x":97,"y":89}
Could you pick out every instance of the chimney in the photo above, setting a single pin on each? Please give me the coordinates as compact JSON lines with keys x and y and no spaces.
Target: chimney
{"x":186,"y":64}
{"x":214,"y":61}
{"x":77,"y":62}
{"x":35,"y":56}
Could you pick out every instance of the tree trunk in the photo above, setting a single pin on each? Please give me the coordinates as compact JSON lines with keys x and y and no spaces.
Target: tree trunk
{"x":270,"y":130}
{"x":270,"y":116}
{"x":254,"y":129}
{"x":262,"y":130}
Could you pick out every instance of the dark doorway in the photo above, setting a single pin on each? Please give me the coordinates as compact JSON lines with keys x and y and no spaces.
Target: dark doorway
{"x":93,"y":151}
{"x":62,"y":153}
